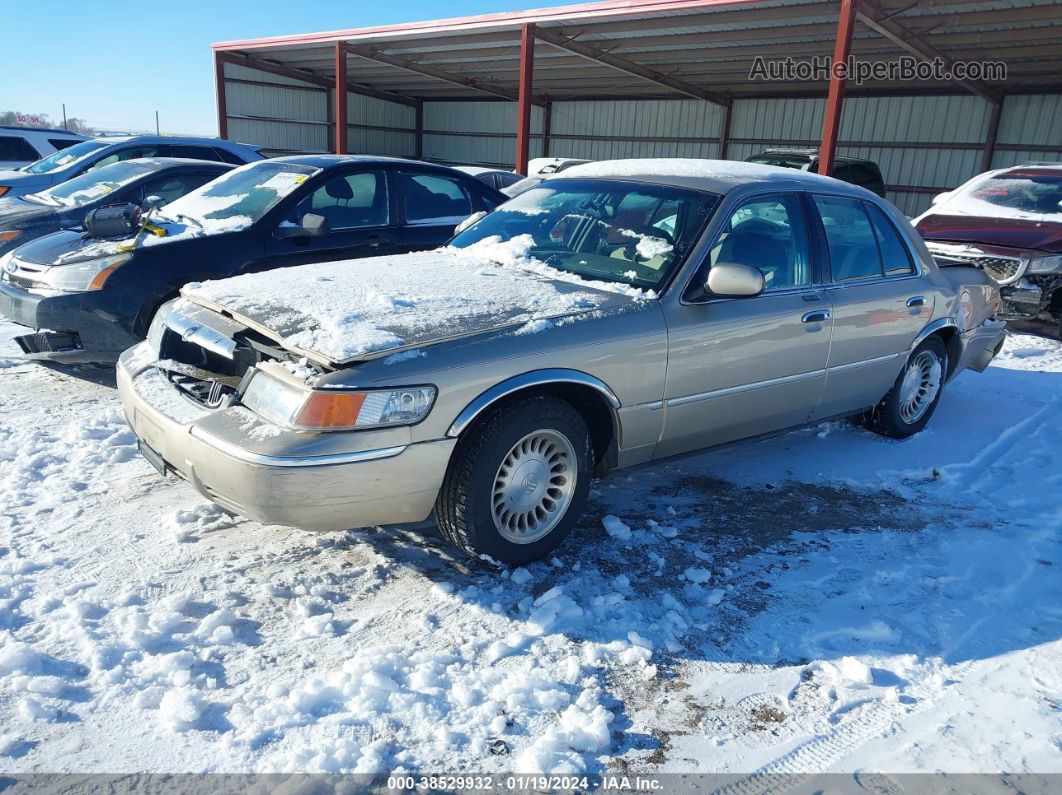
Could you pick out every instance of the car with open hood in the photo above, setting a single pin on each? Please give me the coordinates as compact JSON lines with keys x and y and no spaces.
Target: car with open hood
{"x":75,"y":160}
{"x":1009,"y":223}
{"x":66,"y":205}
{"x":90,"y":294}
{"x":617,"y":313}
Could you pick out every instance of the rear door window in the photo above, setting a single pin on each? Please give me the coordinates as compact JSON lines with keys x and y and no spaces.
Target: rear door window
{"x":432,"y":199}
{"x":126,"y":154}
{"x":894,"y":253}
{"x":850,"y":238}
{"x":15,"y":147}
{"x":190,"y":151}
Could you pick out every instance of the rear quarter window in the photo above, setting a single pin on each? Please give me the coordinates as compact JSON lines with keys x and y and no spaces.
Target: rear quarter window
{"x":62,"y":143}
{"x":15,"y":147}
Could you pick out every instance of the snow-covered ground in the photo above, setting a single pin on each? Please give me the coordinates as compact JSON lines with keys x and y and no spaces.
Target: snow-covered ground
{"x":825,"y":600}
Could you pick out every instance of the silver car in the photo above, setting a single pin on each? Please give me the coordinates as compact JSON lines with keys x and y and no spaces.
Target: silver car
{"x":618,"y":314}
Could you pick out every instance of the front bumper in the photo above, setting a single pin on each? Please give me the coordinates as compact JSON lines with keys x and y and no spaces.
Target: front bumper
{"x":100,"y":321}
{"x":380,"y":479}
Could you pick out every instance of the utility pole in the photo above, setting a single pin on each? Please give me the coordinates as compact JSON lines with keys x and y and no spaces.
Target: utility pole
{"x":64,"y":115}
{"x":157,"y":123}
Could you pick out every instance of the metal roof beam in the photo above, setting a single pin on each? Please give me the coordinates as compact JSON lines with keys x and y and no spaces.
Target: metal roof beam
{"x":629,"y":67}
{"x":410,"y":65}
{"x":310,"y":77}
{"x":871,"y":15}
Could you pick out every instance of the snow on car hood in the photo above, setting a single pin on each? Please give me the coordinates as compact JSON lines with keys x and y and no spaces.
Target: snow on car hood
{"x":354,"y":309}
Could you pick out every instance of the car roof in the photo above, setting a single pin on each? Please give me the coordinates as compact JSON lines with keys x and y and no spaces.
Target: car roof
{"x":714,"y":176}
{"x":171,"y":162}
{"x":1033,"y":170}
{"x":169,"y":139}
{"x":329,"y":161}
{"x":55,"y":130}
{"x":811,"y":155}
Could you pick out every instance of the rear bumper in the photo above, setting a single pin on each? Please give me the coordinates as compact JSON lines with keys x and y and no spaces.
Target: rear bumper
{"x":392,"y":484}
{"x":980,"y":345}
{"x":100,"y":321}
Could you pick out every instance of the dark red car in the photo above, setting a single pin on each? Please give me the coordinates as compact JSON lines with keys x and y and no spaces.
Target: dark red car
{"x":1009,"y":223}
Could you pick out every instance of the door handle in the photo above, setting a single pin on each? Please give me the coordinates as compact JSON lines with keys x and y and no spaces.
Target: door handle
{"x":375,"y":241}
{"x":816,"y":316}
{"x":916,"y":300}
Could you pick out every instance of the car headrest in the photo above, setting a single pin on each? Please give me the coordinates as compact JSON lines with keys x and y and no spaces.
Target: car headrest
{"x":339,"y":189}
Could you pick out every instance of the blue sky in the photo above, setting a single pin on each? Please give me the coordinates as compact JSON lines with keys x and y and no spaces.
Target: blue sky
{"x":114,"y":63}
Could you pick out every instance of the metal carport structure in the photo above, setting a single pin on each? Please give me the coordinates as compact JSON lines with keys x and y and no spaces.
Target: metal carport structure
{"x":664,"y":77}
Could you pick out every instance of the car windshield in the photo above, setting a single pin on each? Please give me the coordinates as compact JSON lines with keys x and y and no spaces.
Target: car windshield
{"x":241,"y":197}
{"x":79,"y":191}
{"x":781,"y":160}
{"x":630,"y":233}
{"x":65,"y":157}
{"x":1034,"y":196}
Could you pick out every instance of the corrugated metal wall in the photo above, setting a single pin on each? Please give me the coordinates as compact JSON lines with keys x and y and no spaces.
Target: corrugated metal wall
{"x":278,"y":113}
{"x":378,"y":127}
{"x":635,"y":128}
{"x":1029,"y":122}
{"x":923,"y":144}
{"x":476,"y":132}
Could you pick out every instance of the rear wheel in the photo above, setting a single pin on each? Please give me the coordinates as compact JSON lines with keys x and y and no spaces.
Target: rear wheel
{"x":907,"y":407}
{"x":518,"y":481}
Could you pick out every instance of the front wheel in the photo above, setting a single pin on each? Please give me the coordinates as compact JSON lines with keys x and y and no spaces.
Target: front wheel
{"x":907,"y":407}
{"x":518,"y":481}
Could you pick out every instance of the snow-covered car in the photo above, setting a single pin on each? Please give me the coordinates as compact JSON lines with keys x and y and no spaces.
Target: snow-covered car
{"x":1009,"y":223}
{"x":629,"y":311}
{"x":539,"y":169}
{"x":497,"y":178}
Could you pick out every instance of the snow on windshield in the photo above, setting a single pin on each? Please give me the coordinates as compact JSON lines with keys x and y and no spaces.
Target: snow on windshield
{"x":96,"y":184}
{"x":348,"y":309}
{"x":1009,"y":195}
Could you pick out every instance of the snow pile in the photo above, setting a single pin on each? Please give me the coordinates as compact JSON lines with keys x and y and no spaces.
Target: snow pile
{"x":349,"y":309}
{"x":888,"y":606}
{"x":724,"y":173}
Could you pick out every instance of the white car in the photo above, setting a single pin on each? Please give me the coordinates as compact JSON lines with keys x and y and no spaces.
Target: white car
{"x":497,"y":178}
{"x":20,"y":146}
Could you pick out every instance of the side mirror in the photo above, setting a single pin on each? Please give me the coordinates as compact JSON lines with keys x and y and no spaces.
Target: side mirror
{"x":313,"y":225}
{"x":734,"y":280}
{"x":461,"y":227}
{"x":154,"y":203}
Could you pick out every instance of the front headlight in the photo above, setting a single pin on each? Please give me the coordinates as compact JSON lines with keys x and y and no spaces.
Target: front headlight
{"x":1045,"y":265}
{"x":333,"y":409}
{"x":89,"y":275}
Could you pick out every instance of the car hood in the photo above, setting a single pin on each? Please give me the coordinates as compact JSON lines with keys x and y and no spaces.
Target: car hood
{"x":66,"y":247}
{"x":1011,"y":232}
{"x":24,"y":181}
{"x":18,"y":214}
{"x":340,"y":312}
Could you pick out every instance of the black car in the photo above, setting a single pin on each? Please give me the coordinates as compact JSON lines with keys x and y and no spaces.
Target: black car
{"x":864,"y":173}
{"x":25,"y":218}
{"x":96,"y":296}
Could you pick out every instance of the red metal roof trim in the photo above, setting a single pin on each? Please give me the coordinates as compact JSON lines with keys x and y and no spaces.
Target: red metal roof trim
{"x":577,"y":12}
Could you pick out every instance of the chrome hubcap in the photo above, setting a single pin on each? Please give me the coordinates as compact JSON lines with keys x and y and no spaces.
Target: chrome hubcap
{"x":920,"y":386}
{"x":534,"y":486}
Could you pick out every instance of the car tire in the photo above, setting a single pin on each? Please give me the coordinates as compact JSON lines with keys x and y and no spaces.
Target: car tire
{"x":914,"y":396}
{"x":517,"y":482}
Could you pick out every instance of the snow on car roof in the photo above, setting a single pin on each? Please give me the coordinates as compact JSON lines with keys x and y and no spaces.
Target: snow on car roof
{"x":718,"y":176}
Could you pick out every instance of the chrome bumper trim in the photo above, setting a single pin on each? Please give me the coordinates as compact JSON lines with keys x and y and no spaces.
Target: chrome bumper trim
{"x":240,"y":454}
